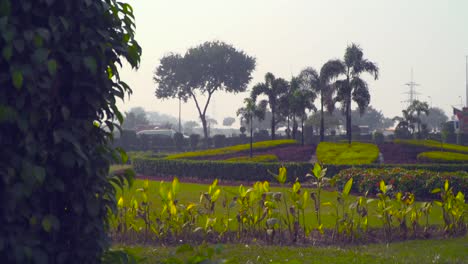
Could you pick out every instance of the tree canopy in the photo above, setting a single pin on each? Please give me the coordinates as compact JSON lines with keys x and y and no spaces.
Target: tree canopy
{"x":228,"y":121}
{"x":59,"y":80}
{"x":203,"y":70}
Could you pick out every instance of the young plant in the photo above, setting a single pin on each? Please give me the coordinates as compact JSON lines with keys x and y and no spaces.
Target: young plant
{"x":405,"y":207}
{"x":344,"y":214}
{"x":454,"y":209}
{"x":384,"y":209}
{"x":361,"y":207}
{"x":281,"y":178}
{"x":320,"y":181}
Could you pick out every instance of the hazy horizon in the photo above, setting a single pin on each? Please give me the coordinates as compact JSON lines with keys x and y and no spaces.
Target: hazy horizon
{"x":287,"y":36}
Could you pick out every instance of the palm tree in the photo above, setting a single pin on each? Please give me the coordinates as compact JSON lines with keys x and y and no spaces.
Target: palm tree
{"x":353,"y":87}
{"x":418,"y":107}
{"x":301,"y":100}
{"x":248,"y":112}
{"x":322,"y":85}
{"x":405,"y":126}
{"x":273,"y":88}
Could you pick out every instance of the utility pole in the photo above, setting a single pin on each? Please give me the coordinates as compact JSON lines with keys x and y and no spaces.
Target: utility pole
{"x":466,"y":81}
{"x":180,"y":108}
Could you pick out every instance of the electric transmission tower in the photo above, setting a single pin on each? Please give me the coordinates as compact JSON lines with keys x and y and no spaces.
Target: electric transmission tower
{"x":412,"y":93}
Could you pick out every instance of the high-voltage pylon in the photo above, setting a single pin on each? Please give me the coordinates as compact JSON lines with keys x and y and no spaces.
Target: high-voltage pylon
{"x":412,"y":93}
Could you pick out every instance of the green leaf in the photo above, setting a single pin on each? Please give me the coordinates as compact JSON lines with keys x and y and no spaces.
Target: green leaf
{"x":383,"y":187}
{"x":39,"y":173}
{"x":90,"y":64}
{"x":7,"y":52}
{"x":175,"y":186}
{"x":52,"y":67}
{"x":50,"y":222}
{"x":347,"y":187}
{"x":446,"y":185}
{"x":317,"y":170}
{"x":436,"y":190}
{"x":123,"y":155}
{"x":17,"y":77}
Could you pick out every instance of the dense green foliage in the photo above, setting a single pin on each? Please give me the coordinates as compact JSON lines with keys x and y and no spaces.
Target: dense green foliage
{"x":59,"y":83}
{"x":419,"y":182}
{"x":442,"y":157}
{"x":257,"y":158}
{"x":245,"y":171}
{"x":416,"y":251}
{"x":233,"y":149}
{"x":344,"y":153}
{"x":434,"y":145}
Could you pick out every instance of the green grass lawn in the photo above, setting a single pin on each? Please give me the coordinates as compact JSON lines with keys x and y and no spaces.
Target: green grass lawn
{"x":190,"y":193}
{"x":417,"y":251}
{"x":233,"y":149}
{"x":443,"y":157}
{"x":343,"y":153}
{"x":433,"y":144}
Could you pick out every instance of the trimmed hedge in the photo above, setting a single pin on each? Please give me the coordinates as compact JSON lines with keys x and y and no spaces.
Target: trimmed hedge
{"x":258,"y":158}
{"x":442,"y":157}
{"x":343,"y":153}
{"x":433,"y":145}
{"x":419,"y":182}
{"x":249,"y":171}
{"x":233,"y":149}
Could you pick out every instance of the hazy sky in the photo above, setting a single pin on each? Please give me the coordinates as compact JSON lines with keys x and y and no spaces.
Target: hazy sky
{"x":430,"y":36}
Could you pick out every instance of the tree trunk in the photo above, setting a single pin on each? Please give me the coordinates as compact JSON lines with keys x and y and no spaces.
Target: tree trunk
{"x":348,"y":115}
{"x":205,"y":129}
{"x":322,"y":123}
{"x":302,"y":131}
{"x":251,"y":137}
{"x":272,"y":124}
{"x":288,"y":131}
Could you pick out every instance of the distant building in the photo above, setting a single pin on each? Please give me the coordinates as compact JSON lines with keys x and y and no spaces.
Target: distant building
{"x":461,"y":120}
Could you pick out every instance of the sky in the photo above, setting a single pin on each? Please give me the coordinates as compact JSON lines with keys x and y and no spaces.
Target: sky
{"x":428,"y":36}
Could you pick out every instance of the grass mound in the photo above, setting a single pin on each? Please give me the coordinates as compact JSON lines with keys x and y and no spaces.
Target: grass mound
{"x":233,"y":149}
{"x":258,"y":158}
{"x":442,"y":157}
{"x":433,"y":144}
{"x":343,"y":153}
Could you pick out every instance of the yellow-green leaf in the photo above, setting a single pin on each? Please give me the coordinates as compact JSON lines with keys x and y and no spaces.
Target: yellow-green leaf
{"x":120,"y":203}
{"x":347,"y":187}
{"x":52,"y":67}
{"x":17,"y":77}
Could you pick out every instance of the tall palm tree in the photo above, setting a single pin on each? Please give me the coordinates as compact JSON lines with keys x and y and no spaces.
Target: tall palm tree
{"x":405,"y":126}
{"x":248,"y":112}
{"x":322,"y":85}
{"x":301,"y":100}
{"x":418,"y":107}
{"x":273,"y":88}
{"x":353,"y":88}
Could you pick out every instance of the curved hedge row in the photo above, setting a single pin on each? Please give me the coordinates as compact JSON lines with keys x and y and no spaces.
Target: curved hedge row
{"x":442,"y":157}
{"x":249,"y":171}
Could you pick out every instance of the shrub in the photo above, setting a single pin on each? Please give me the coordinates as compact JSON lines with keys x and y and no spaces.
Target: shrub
{"x":442,"y":157}
{"x":59,"y":84}
{"x":219,"y":141}
{"x":249,"y":171}
{"x":434,"y":145}
{"x":378,"y":138}
{"x":258,"y":158}
{"x":194,"y":139}
{"x":232,"y":149}
{"x":419,"y":182}
{"x":179,"y":141}
{"x":343,"y":153}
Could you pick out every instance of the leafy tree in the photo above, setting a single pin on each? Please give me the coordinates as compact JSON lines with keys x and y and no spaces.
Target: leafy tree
{"x":321,"y":84}
{"x":228,"y":121}
{"x":435,"y":119}
{"x":418,"y":108}
{"x":273,"y":88}
{"x":134,"y":118}
{"x":59,"y":84}
{"x":301,"y":100}
{"x":189,"y":126}
{"x":353,"y":87}
{"x":371,"y":117}
{"x":248,"y":112}
{"x":155,"y":117}
{"x":203,"y":70}
{"x":331,"y":121}
{"x":405,"y":127}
